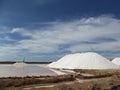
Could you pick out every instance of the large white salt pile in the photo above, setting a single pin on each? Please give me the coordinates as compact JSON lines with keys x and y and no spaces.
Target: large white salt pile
{"x":89,"y":60}
{"x":116,"y":61}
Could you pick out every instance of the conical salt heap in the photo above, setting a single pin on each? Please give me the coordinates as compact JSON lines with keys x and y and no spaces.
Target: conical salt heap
{"x":89,"y":60}
{"x":116,"y":61}
{"x":20,"y":64}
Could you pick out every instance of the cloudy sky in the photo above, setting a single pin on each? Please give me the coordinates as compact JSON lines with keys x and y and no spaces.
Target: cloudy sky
{"x":45,"y":30}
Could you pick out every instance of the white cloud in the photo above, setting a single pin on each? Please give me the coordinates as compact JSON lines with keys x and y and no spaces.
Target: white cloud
{"x":72,"y":33}
{"x":22,"y":31}
{"x":16,"y":30}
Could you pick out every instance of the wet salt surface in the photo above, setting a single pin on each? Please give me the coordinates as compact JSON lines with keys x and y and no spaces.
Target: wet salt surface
{"x":87,"y":74}
{"x":29,"y":70}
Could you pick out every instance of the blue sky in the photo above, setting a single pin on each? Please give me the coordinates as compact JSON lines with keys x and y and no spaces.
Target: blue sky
{"x":45,"y":30}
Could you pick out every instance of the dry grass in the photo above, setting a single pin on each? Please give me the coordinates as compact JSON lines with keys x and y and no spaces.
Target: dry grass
{"x":99,"y":72}
{"x":17,"y":81}
{"x":109,"y":83}
{"x":96,"y":73}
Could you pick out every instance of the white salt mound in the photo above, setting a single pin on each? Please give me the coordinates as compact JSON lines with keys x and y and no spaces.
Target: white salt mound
{"x":89,"y":60}
{"x":116,"y":61}
{"x":20,"y":64}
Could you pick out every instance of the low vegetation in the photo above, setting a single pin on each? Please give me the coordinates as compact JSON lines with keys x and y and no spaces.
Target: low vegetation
{"x":18,"y":81}
{"x":96,"y":73}
{"x":101,"y":80}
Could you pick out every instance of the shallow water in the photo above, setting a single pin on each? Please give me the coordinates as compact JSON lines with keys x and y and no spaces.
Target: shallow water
{"x":29,"y":70}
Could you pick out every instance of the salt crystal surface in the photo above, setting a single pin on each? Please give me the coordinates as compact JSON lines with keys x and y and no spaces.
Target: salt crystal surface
{"x":27,"y":70}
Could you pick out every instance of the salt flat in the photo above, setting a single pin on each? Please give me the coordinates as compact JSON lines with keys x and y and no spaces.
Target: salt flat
{"x":10,"y":70}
